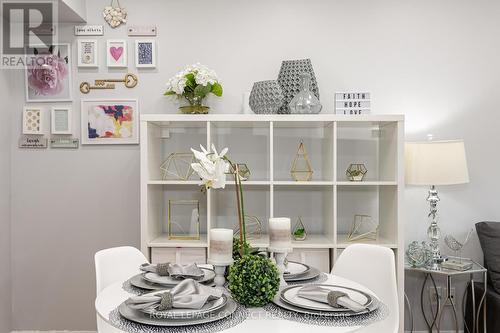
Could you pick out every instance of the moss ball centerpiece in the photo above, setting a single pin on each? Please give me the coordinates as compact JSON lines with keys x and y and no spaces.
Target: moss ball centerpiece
{"x":253,"y":280}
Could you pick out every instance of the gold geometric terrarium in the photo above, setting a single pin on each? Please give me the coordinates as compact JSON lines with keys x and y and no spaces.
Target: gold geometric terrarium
{"x":177,"y":166}
{"x":356,"y":172}
{"x":184,"y":219}
{"x":243,"y":170}
{"x":363,"y":228}
{"x":253,"y":227}
{"x":301,"y":168}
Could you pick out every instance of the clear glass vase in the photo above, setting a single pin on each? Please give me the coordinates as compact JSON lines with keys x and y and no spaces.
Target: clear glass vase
{"x":195,"y":106}
{"x":305,"y":101}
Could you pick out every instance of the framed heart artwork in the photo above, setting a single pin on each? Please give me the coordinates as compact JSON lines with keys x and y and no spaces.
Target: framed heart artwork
{"x":116,"y":53}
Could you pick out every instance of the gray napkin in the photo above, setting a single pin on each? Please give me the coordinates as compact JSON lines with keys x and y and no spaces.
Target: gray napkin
{"x":334,"y":298}
{"x":188,"y":294}
{"x":160,"y":269}
{"x":185,"y":272}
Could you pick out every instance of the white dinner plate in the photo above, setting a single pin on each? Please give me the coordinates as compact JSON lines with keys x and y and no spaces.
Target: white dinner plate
{"x":295,"y":269}
{"x":175,"y":313}
{"x":170,"y":281}
{"x":290,"y":295}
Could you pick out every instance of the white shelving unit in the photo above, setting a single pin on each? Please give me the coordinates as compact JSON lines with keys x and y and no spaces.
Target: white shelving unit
{"x":268,"y":144}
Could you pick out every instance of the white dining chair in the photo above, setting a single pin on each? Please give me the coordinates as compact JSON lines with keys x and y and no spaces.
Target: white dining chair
{"x":374,"y":267}
{"x":116,"y":264}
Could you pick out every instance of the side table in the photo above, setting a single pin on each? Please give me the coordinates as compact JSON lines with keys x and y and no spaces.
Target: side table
{"x":434,"y":321}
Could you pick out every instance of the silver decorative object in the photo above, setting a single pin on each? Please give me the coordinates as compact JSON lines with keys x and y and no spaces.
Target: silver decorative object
{"x":457,"y":263}
{"x":290,"y":80}
{"x":433,"y":232}
{"x":305,"y":102}
{"x":418,"y":254}
{"x":266,"y":97}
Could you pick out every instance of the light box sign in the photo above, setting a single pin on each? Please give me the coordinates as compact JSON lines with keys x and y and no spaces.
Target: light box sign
{"x":352,"y":103}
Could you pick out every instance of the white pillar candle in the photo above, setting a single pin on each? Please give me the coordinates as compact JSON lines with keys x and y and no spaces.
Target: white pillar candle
{"x":280,"y":236}
{"x":221,"y":246}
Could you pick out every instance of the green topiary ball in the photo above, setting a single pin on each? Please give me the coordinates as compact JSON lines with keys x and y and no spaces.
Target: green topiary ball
{"x":253,"y":280}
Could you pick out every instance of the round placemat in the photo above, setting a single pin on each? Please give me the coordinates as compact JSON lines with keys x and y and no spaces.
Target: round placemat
{"x":379,"y":314}
{"x":128,"y":287}
{"x":237,"y":317}
{"x":322,"y":277}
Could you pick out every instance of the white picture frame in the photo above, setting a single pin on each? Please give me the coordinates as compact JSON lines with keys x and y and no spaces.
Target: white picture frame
{"x":145,"y":53}
{"x":32,"y":120}
{"x":87,"y":53}
{"x":37,"y":89}
{"x":100,"y":119}
{"x":116,"y":53}
{"x":61,"y":120}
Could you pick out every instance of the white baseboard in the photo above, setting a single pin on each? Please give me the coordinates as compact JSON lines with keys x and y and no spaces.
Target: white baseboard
{"x":53,"y":332}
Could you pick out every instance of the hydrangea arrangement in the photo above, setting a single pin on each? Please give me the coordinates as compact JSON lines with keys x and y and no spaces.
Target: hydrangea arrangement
{"x":193,"y":84}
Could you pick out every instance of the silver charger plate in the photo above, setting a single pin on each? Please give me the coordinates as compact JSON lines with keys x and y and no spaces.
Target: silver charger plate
{"x":139,"y":282}
{"x":311,"y":274}
{"x":143,"y":318}
{"x":296,"y":269}
{"x":289,"y":295}
{"x":170,"y":281}
{"x":209,"y":307}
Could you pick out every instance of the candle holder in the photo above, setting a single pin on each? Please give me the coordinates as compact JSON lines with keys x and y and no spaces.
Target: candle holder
{"x":220,"y":270}
{"x":280,"y":263}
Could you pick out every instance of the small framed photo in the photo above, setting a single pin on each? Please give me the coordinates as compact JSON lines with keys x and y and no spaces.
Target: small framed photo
{"x":88,"y":54}
{"x":110,"y":121}
{"x":60,"y":120}
{"x":32,"y":120}
{"x":145,"y":53}
{"x":116,"y":53}
{"x":48,"y":74}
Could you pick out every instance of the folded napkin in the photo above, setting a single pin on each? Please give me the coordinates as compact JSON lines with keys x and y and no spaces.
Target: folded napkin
{"x":334,"y":298}
{"x":174,"y":270}
{"x":188,"y":294}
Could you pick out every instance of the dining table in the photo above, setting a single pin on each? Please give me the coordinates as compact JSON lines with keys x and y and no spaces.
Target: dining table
{"x":258,"y":320}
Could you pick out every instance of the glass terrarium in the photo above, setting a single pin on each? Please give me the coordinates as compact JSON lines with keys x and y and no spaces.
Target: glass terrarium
{"x":356,"y":172}
{"x":184,"y":219}
{"x":301,"y":167}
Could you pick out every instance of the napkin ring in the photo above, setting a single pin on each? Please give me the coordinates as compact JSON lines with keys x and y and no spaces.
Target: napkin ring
{"x":166,"y":302}
{"x":162,"y":269}
{"x":333,"y":296}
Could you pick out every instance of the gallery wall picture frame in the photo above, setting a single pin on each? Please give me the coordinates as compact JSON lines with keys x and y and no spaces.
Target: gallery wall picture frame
{"x":109,"y":121}
{"x":145,"y":53}
{"x":87,"y":53}
{"x":48,"y":74}
{"x":32,"y":120}
{"x":116,"y":53}
{"x":61,"y":120}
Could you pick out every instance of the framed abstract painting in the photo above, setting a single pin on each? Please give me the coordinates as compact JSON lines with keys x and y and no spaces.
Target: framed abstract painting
{"x":110,"y":121}
{"x":48,"y":74}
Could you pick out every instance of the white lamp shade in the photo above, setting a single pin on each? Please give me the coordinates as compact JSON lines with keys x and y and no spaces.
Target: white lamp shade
{"x":436,"y":163}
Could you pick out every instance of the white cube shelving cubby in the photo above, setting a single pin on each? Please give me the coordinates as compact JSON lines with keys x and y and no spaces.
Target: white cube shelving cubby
{"x":268,"y":144}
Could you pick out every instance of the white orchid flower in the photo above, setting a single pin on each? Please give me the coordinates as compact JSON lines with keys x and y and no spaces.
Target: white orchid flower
{"x":211,"y":167}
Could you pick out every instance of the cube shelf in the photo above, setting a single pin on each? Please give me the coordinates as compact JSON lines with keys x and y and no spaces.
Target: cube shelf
{"x":268,"y":145}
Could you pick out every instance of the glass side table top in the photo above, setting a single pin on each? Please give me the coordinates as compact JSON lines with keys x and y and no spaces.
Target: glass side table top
{"x":476,"y":268}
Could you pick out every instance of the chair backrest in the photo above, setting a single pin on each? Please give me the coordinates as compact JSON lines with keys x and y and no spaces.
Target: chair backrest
{"x":115,"y":264}
{"x":374,"y":267}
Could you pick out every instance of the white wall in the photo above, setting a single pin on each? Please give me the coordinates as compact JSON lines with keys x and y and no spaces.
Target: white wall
{"x":5,"y":159}
{"x":434,"y":61}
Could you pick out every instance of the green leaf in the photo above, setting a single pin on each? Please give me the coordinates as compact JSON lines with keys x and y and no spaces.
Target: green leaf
{"x":217,"y":89}
{"x":202,"y":91}
{"x":169,"y":93}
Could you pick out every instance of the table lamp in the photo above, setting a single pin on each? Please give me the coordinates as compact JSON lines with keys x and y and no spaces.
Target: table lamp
{"x":435,"y":163}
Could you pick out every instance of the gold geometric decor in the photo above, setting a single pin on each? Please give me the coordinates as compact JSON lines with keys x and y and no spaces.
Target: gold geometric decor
{"x":177,"y":166}
{"x":183,"y":219}
{"x":301,"y":168}
{"x":363,"y":228}
{"x":253,"y":227}
{"x":243,"y":170}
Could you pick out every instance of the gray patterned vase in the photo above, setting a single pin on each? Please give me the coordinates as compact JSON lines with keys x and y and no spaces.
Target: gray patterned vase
{"x":266,"y":97}
{"x":290,"y":80}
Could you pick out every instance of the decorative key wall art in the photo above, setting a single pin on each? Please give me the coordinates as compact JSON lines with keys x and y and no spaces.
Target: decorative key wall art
{"x":145,"y":53}
{"x":48,"y":74}
{"x":32,"y":120}
{"x":110,"y":121}
{"x":60,"y":120}
{"x":352,"y":103}
{"x":116,"y":53}
{"x":88,"y":54}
